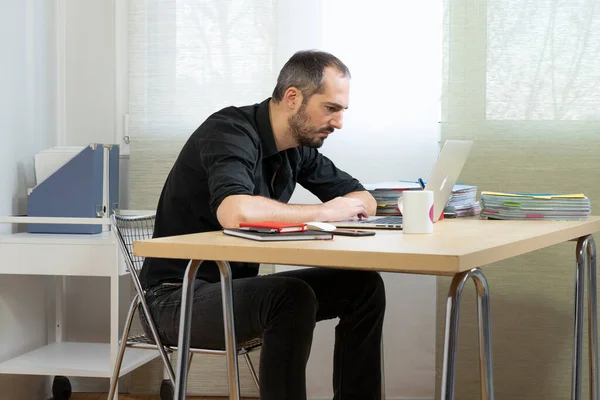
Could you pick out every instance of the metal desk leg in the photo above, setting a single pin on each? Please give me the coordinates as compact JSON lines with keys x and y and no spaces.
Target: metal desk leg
{"x":382,"y":371}
{"x":592,"y":318}
{"x":585,"y":252}
{"x":185,"y":323}
{"x":451,"y":334}
{"x":229,"y":323}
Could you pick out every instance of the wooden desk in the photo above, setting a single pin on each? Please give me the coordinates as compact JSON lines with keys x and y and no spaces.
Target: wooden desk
{"x":456,"y":248}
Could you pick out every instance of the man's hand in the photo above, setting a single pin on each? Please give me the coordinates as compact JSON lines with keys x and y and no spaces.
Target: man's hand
{"x":343,"y":208}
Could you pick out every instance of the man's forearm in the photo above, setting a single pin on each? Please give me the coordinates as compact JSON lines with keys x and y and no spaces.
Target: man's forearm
{"x":367,"y":199}
{"x":245,"y":208}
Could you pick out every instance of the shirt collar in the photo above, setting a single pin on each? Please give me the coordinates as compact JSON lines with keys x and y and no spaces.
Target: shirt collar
{"x":265,"y":130}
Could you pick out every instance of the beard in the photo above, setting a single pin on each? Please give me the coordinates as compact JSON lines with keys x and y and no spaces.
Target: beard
{"x":304,"y":132}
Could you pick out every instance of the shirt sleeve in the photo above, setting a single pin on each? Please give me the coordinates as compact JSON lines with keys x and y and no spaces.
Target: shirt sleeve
{"x":322,"y":178}
{"x":229,"y":155}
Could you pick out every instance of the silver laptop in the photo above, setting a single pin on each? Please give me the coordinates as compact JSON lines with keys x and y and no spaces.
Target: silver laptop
{"x":441,"y":181}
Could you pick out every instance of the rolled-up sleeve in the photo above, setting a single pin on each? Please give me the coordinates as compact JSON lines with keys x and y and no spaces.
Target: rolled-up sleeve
{"x":229,"y":156}
{"x":320,"y":176}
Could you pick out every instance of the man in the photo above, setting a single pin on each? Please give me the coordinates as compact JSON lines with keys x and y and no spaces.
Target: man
{"x":240,"y":165}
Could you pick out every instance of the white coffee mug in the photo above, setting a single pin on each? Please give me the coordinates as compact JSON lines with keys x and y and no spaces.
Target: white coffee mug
{"x":416,"y":207}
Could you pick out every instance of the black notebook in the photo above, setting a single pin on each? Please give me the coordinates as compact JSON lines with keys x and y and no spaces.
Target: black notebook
{"x":276,"y":237}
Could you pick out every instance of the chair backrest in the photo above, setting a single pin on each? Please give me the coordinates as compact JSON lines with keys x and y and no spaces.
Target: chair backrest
{"x":129,"y":229}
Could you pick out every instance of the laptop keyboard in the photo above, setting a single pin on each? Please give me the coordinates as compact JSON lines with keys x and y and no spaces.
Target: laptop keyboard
{"x":389,"y":220}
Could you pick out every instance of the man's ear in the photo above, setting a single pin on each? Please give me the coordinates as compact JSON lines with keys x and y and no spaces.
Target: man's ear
{"x":292,"y":98}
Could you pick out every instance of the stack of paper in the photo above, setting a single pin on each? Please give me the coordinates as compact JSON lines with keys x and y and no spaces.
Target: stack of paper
{"x":387,"y":194}
{"x":463,"y":202}
{"x":522,"y":206}
{"x":50,"y":160}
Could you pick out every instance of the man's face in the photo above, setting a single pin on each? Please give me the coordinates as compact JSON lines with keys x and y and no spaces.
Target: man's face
{"x":318,"y":117}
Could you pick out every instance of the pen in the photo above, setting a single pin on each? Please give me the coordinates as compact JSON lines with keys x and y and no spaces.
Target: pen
{"x":421,"y":183}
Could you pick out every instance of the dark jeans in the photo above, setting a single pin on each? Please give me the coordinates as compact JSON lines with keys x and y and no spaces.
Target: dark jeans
{"x":283,"y":308}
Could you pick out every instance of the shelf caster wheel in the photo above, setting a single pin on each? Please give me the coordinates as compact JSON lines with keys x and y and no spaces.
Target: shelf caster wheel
{"x":61,"y":388}
{"x":166,"y":390}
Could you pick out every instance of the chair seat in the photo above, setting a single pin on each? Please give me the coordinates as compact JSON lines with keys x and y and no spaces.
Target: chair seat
{"x":140,"y":339}
{"x":143,"y":339}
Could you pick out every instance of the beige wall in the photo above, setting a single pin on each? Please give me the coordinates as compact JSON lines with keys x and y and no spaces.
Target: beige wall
{"x":557,"y":151}
{"x":532,"y":295}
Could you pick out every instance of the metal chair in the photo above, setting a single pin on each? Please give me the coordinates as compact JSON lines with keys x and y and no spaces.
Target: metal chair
{"x":128,"y":229}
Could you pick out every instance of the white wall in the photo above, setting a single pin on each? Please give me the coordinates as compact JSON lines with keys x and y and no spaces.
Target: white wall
{"x":391,"y":132}
{"x":58,"y":88}
{"x":27,"y":125}
{"x":90,"y":72}
{"x":91,"y":113}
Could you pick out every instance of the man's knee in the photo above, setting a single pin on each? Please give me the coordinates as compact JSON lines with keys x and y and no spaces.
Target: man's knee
{"x":365,"y":291}
{"x":299,"y":291}
{"x":370,"y":279}
{"x":295,"y":298}
{"x":375,"y":284}
{"x":371,"y":285}
{"x":367,"y":287}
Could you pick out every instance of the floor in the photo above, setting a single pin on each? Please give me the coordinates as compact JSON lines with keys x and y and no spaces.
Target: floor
{"x":102,"y":396}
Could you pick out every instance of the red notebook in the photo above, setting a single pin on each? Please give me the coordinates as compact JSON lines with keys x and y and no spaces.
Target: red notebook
{"x":273,"y":226}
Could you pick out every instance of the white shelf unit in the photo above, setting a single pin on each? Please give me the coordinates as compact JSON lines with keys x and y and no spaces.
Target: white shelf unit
{"x":63,"y":255}
{"x":74,"y":359}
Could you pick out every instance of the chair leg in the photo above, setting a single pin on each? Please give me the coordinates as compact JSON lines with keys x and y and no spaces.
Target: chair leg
{"x":166,"y":379}
{"x":165,"y":373}
{"x":252,"y":370}
{"x":168,"y":365}
{"x":119,"y":361}
{"x":190,"y":362}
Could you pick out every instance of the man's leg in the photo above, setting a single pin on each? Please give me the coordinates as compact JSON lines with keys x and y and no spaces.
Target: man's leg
{"x":280,"y":310}
{"x":358,"y":299}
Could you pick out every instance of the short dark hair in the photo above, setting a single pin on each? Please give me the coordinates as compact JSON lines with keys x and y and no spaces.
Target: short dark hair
{"x":304,"y":70}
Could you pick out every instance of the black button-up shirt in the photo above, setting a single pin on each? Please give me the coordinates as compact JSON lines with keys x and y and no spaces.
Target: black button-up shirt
{"x":233,"y":152}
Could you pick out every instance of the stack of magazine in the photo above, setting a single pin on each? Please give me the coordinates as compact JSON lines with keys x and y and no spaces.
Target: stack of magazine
{"x":387,"y":194}
{"x":463,"y":200}
{"x":527,"y":206}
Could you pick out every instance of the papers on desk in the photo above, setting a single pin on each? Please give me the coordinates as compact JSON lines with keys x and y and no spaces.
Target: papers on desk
{"x":463,"y":200}
{"x":386,"y":195}
{"x":526,"y":206}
